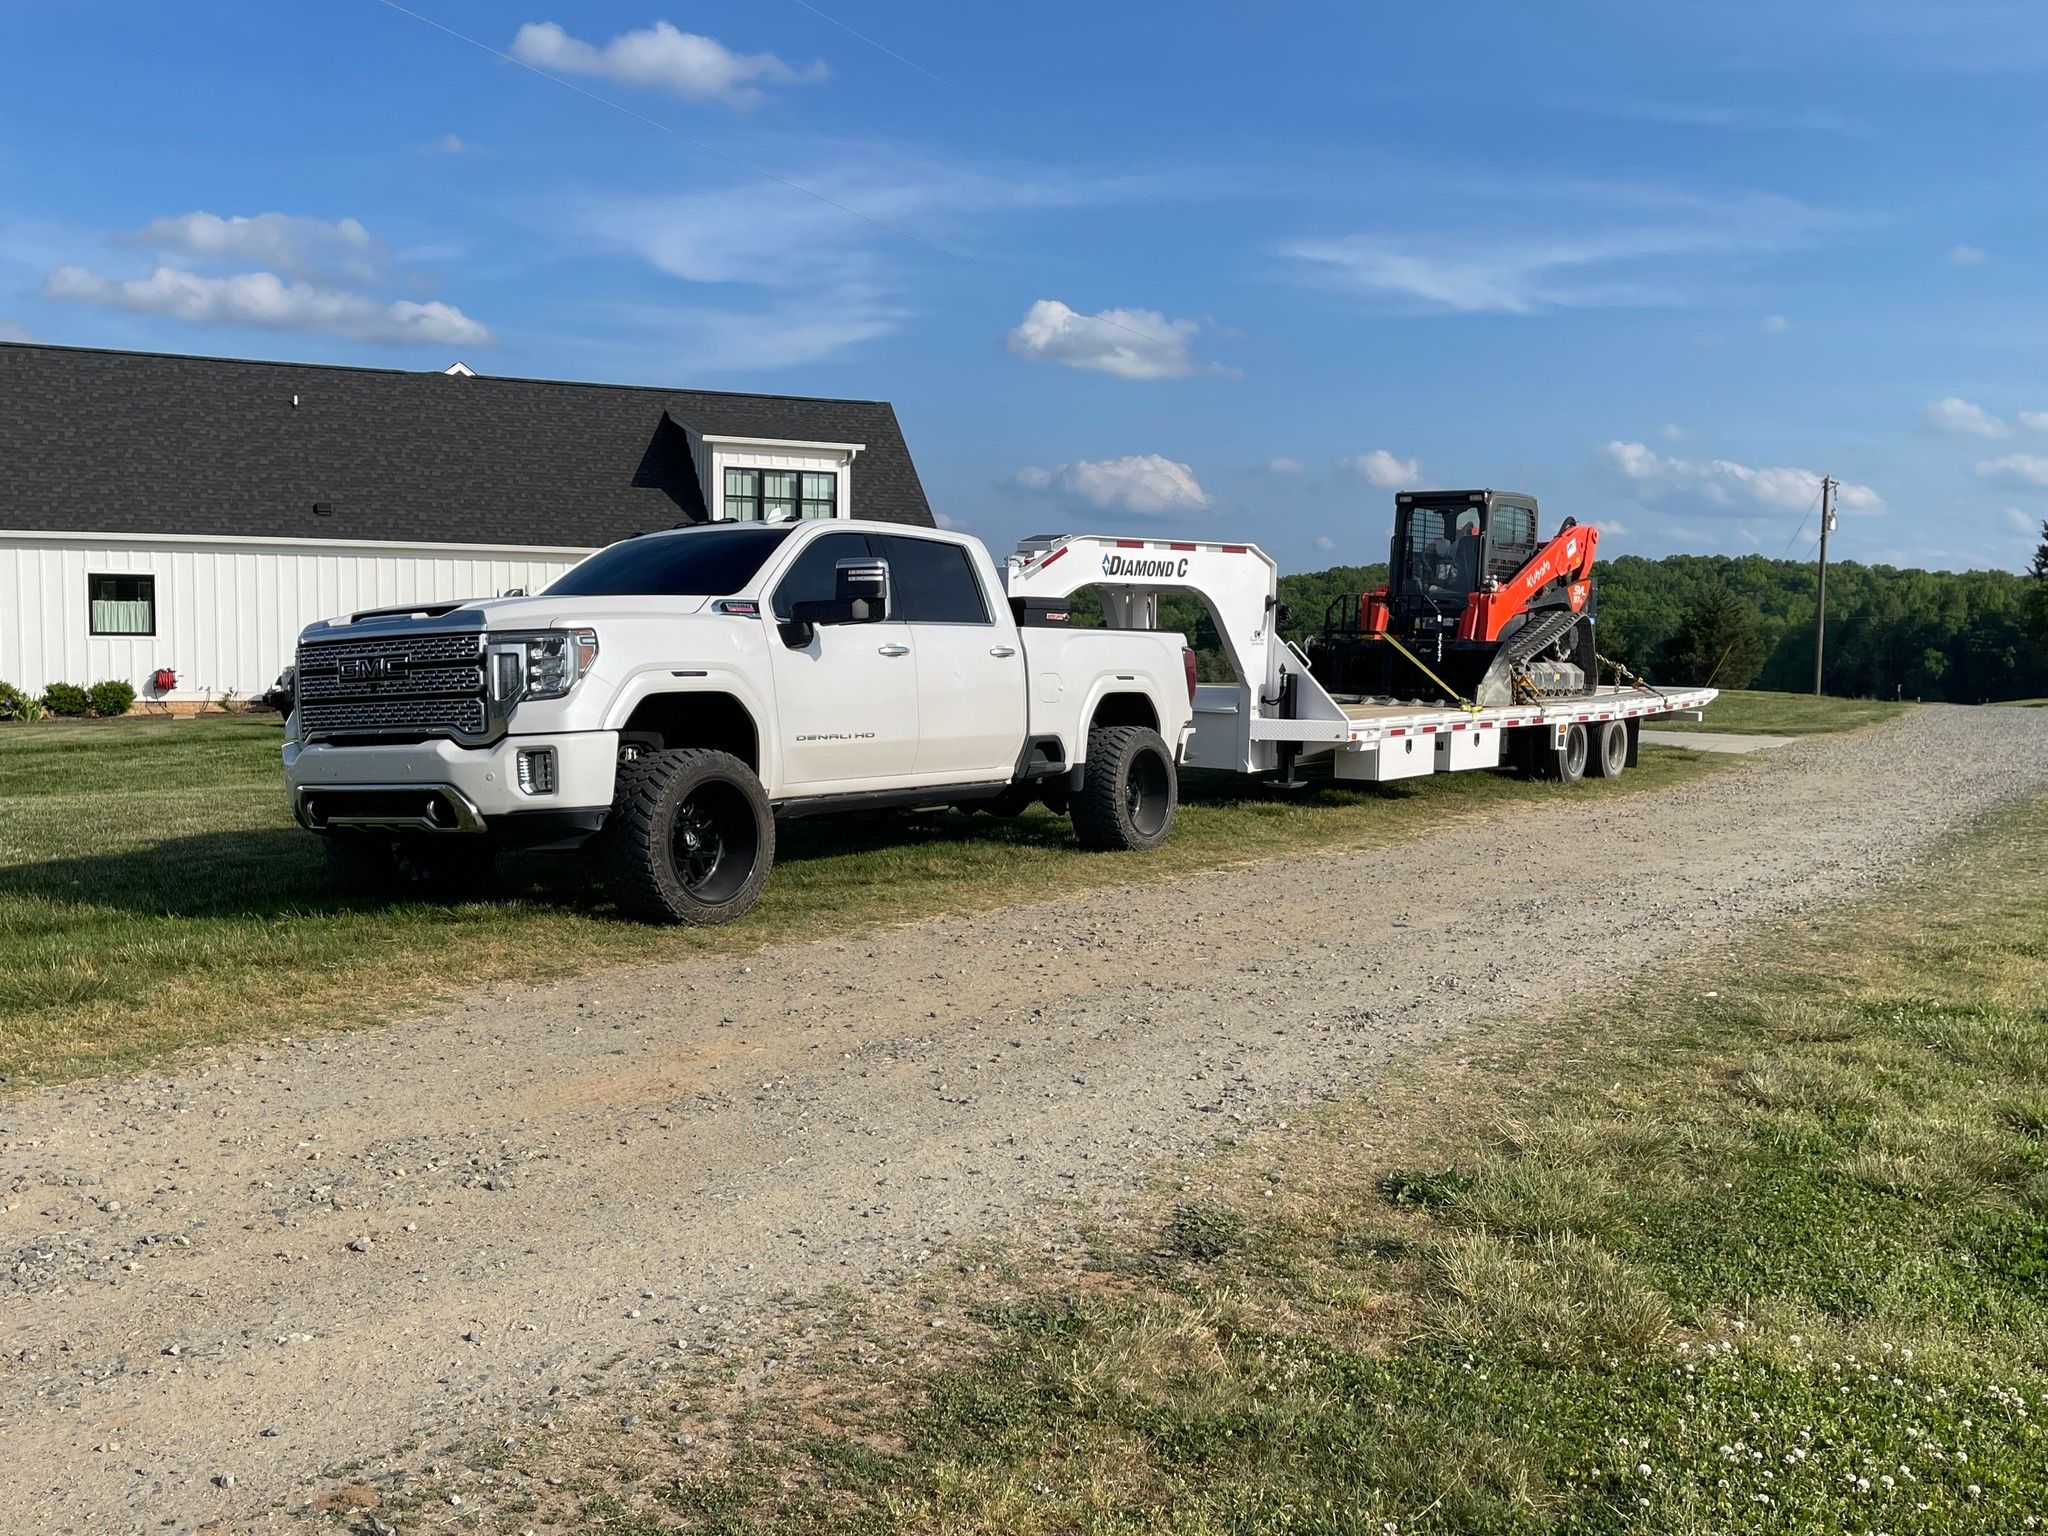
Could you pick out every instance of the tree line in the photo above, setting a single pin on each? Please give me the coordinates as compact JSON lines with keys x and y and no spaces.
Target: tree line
{"x":1747,"y":621}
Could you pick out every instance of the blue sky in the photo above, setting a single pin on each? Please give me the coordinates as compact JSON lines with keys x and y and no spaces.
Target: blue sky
{"x":1214,"y":269}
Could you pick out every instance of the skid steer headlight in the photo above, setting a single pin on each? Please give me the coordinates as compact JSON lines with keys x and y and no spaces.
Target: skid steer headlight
{"x":542,"y":665}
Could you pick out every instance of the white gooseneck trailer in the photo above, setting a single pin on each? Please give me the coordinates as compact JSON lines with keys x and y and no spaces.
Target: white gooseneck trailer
{"x":1277,"y":716}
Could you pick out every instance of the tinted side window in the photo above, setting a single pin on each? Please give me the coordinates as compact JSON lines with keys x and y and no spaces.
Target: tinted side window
{"x":814,"y":578}
{"x":933,"y":582}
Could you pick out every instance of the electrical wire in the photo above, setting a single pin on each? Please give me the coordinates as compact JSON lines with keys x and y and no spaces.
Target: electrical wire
{"x":1802,"y":525}
{"x":762,"y":171}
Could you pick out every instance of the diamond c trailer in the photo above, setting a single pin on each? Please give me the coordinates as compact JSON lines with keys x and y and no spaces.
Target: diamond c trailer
{"x":1279,"y":716}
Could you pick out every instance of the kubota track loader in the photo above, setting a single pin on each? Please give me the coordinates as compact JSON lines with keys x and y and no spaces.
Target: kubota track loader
{"x":1475,"y":609}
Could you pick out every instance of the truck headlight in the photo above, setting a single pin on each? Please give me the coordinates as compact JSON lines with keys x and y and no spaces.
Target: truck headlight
{"x":543,"y":665}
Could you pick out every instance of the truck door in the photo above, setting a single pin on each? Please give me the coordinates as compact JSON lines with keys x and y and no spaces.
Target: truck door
{"x":970,"y":675}
{"x":845,"y":702}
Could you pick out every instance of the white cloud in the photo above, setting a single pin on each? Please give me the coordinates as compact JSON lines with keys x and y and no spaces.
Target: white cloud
{"x":268,"y":301}
{"x":1284,"y":466}
{"x":1722,"y":480}
{"x":14,"y":330}
{"x":1325,"y":543}
{"x":2024,"y":468}
{"x":1381,"y":468}
{"x":1967,"y":255}
{"x":661,"y":57}
{"x":1671,"y":432}
{"x":2022,"y":522}
{"x":1775,"y":325}
{"x":1129,"y":343}
{"x":1148,"y":484}
{"x":1963,"y":418}
{"x":450,"y":144}
{"x":2034,"y":421}
{"x":1630,"y":248}
{"x":282,"y":242}
{"x":1609,"y":529}
{"x":947,"y":521}
{"x":787,"y":279}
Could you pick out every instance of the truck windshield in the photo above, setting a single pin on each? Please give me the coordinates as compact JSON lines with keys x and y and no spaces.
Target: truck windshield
{"x":697,"y":562}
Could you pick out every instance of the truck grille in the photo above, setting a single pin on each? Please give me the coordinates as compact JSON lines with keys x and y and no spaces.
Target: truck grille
{"x":395,"y":685}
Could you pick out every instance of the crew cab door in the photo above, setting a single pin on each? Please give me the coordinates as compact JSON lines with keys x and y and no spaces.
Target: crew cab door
{"x":970,"y":670}
{"x":846,"y":709}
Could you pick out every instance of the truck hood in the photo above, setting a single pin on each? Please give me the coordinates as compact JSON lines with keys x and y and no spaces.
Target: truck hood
{"x":499,"y":613}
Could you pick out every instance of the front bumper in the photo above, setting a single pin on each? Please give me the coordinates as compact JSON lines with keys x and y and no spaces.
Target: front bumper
{"x":440,"y":787}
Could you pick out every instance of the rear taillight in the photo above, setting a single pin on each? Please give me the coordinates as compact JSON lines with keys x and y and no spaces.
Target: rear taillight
{"x":1187,"y":661}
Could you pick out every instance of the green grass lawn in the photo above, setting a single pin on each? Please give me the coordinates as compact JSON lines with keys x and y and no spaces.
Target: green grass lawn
{"x":1762,"y":1247}
{"x":1788,"y":714}
{"x":155,"y":895}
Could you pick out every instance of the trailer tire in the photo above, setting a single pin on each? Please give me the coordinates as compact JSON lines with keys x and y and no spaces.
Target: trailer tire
{"x":1130,"y":792}
{"x":690,"y":838}
{"x":1609,"y":750}
{"x":1567,"y":764}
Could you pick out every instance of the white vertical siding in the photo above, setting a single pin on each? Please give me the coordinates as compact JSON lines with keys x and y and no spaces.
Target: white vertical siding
{"x":228,"y":612}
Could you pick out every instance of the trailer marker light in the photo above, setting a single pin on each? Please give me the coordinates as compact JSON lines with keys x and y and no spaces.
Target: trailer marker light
{"x":1130,"y":543}
{"x":1180,"y":546}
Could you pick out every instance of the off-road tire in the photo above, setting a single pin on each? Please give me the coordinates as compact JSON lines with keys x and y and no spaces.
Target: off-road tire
{"x":451,"y":868}
{"x":1608,"y":750}
{"x":636,"y":855}
{"x":1130,"y":791}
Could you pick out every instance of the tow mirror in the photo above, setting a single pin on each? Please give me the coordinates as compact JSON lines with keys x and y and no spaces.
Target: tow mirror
{"x":860,"y":595}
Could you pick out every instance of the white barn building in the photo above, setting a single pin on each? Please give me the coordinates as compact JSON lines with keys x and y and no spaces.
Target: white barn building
{"x":174,"y":522}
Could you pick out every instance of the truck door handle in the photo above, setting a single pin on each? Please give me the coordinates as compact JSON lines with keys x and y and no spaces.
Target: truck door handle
{"x":1002,"y":650}
{"x":892,"y":650}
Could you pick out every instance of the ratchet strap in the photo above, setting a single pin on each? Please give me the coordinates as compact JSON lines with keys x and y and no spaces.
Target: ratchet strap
{"x":1463,"y":703}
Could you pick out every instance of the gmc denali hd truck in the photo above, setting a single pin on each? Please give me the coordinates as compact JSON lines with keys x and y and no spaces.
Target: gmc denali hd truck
{"x":668,"y":700}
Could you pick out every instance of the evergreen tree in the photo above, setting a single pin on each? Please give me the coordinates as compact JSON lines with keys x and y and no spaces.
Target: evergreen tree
{"x":1720,"y":640}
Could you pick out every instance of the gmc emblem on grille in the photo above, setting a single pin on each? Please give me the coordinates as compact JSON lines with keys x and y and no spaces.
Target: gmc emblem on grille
{"x":369,"y":669}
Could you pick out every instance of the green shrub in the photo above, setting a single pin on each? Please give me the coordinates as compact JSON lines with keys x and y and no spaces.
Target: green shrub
{"x":113,"y":697}
{"x":67,"y":699}
{"x":16,"y":705}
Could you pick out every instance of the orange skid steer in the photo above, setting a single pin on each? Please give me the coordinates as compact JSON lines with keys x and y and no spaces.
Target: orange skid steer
{"x":1475,"y":609}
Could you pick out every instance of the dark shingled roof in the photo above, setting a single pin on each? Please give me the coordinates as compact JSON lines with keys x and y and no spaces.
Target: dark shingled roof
{"x":147,"y":443}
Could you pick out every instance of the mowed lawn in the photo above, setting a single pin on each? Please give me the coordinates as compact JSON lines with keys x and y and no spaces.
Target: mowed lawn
{"x":1789,"y":714}
{"x":155,"y":895}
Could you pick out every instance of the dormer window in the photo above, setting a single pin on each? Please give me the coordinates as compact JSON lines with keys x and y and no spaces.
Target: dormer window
{"x":780,"y":495}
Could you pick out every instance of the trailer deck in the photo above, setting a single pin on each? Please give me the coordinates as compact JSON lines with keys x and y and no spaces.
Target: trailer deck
{"x":1278,"y":716}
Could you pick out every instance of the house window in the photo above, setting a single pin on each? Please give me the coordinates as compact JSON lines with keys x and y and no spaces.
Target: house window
{"x":122,"y":605}
{"x":779,"y":495}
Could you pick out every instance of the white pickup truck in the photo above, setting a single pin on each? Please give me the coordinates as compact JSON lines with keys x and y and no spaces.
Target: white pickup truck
{"x":666,"y":701}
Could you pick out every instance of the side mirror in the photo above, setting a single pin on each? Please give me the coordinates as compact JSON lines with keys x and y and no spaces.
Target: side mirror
{"x":863,"y":586}
{"x":860,"y":589}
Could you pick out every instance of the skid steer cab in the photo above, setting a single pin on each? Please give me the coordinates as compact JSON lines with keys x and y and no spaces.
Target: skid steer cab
{"x":1478,"y":607}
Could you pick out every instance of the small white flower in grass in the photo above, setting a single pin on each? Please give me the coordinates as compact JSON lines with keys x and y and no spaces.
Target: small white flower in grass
{"x":1642,"y":1469}
{"x":1973,"y":1492}
{"x":1886,"y":1482}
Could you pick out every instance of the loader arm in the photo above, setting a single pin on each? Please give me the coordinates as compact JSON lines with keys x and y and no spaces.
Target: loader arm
{"x":1559,"y":575}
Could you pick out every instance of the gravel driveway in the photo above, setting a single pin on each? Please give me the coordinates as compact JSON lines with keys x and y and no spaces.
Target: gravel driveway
{"x":219,"y":1283}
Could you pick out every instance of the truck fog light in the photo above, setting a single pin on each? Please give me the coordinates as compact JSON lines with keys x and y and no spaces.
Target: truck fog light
{"x":537,"y":771}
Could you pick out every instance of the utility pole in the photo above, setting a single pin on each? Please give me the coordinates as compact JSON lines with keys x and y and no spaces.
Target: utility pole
{"x":1820,"y":619}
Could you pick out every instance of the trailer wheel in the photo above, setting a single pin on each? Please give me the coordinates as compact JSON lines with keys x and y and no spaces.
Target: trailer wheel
{"x":690,"y":838}
{"x":1130,"y":791}
{"x":1567,"y":764}
{"x":1609,"y":754}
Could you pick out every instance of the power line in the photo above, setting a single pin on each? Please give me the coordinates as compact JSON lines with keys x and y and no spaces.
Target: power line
{"x":1802,"y":524}
{"x":768,"y":175}
{"x":957,"y":90}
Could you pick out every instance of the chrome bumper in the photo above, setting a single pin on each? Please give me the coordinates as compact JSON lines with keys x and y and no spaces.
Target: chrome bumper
{"x":386,"y":807}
